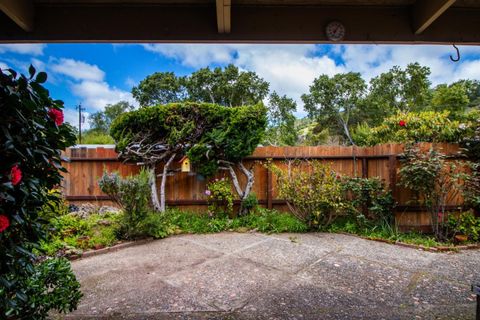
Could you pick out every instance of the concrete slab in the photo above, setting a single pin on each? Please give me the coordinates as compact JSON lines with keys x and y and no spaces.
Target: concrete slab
{"x":287,"y":276}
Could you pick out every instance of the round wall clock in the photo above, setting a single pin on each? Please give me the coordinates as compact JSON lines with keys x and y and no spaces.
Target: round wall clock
{"x":335,"y":31}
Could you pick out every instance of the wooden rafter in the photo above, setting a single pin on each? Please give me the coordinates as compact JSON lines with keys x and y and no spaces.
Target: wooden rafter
{"x":20,"y":11}
{"x":425,"y":12}
{"x":223,"y":16}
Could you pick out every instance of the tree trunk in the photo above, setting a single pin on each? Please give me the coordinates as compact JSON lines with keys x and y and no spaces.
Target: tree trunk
{"x":242,"y":194}
{"x":153,"y":186}
{"x":164,"y":182}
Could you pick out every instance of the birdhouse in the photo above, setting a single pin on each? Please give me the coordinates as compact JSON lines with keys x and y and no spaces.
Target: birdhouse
{"x":185,"y":164}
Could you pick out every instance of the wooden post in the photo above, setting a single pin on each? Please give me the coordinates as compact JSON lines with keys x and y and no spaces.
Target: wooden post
{"x":392,"y":168}
{"x":269,"y":189}
{"x":364,"y":168}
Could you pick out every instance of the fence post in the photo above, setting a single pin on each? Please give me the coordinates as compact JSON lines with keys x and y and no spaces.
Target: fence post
{"x":392,"y":169}
{"x":269,"y":189}
{"x":364,"y":168}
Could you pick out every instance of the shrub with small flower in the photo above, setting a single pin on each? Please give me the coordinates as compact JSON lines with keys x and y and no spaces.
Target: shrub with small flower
{"x":426,"y":126}
{"x":220,"y":198}
{"x":33,"y":135}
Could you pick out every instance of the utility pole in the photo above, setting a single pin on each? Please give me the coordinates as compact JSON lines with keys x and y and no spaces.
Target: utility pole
{"x":80,"y":121}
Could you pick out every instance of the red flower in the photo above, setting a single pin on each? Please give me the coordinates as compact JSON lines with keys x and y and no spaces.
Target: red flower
{"x":56,"y":115}
{"x":4,"y":222}
{"x":402,"y":123}
{"x":15,"y":175}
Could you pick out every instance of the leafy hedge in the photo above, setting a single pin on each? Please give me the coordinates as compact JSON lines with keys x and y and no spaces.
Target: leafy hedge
{"x":33,"y":134}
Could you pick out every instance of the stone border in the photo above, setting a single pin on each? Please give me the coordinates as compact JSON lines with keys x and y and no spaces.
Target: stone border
{"x":122,"y":245}
{"x":419,"y":246}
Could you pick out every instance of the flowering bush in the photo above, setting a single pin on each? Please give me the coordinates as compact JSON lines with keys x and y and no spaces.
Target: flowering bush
{"x":315,"y":197}
{"x":427,"y":126}
{"x":220,"y":197}
{"x":30,"y":161}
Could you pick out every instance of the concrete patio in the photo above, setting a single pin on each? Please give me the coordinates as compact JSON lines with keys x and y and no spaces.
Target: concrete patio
{"x":285,"y":276}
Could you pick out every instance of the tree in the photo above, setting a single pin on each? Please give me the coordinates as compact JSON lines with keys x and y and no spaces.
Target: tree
{"x":33,"y":136}
{"x":160,"y":88}
{"x":397,"y":90}
{"x":227,"y":87}
{"x":214,"y":137}
{"x":102,"y":120}
{"x":453,"y":98}
{"x":334,"y":101}
{"x":236,"y":136}
{"x":472,"y":88}
{"x":281,"y":127}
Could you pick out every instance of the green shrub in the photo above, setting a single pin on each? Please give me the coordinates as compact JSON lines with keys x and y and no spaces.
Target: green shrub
{"x":314,"y":196}
{"x":133,"y":195}
{"x":465,"y":224}
{"x":220,"y":198}
{"x":272,"y":221}
{"x":250,"y":203}
{"x":157,"y":225}
{"x":69,"y":232}
{"x":33,"y":135}
{"x":471,"y":190}
{"x":433,"y":179}
{"x":52,"y":286}
{"x":369,"y":199}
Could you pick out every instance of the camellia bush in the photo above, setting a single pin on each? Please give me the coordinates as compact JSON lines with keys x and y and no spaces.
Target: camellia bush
{"x":427,"y":126}
{"x":213,"y":137}
{"x":32,"y":137}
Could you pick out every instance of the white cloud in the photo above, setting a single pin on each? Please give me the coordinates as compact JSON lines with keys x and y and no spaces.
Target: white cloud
{"x":3,"y":65}
{"x":130,"y":82}
{"x":290,"y":69}
{"x":88,"y":83}
{"x":97,"y":94}
{"x":77,"y":70}
{"x":23,"y":48}
{"x":195,"y":55}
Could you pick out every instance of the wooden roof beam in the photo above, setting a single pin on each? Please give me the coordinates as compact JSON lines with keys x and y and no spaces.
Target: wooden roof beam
{"x":224,"y":16}
{"x":425,"y":12}
{"x":20,"y":11}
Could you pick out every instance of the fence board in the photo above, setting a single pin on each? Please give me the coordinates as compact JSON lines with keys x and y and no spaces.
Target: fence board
{"x":187,"y":190}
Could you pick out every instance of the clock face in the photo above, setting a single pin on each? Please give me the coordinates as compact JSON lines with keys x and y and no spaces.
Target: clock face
{"x":335,"y":31}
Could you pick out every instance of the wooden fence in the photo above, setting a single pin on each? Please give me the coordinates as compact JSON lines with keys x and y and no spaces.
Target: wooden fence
{"x":187,"y":190}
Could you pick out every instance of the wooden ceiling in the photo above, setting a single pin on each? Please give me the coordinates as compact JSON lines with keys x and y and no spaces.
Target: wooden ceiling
{"x":255,"y":21}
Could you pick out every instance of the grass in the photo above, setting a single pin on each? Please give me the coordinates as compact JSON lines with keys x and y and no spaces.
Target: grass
{"x":69,"y":234}
{"x":264,"y":220}
{"x":384,"y":231}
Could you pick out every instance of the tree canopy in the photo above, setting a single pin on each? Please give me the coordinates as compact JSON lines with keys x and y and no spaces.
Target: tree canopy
{"x":334,"y":101}
{"x":227,"y":86}
{"x":101,"y":120}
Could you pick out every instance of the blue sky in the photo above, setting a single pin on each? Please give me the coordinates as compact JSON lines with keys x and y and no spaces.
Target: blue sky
{"x":97,"y":74}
